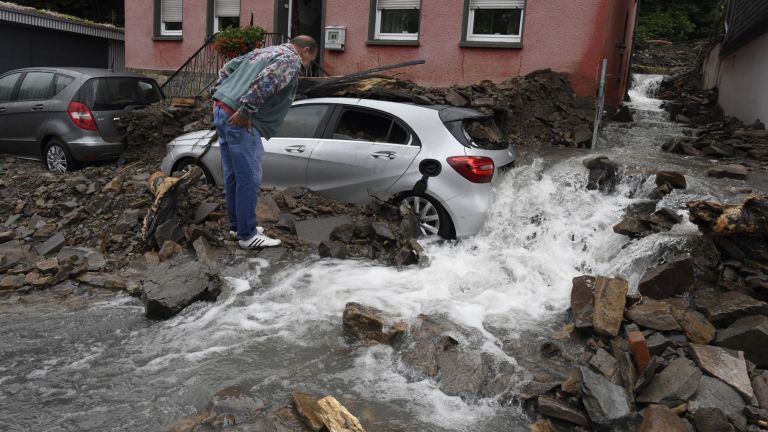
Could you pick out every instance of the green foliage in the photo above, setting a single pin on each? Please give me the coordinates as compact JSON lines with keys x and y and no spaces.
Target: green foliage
{"x":234,"y":41}
{"x":678,"y":20}
{"x":100,"y":11}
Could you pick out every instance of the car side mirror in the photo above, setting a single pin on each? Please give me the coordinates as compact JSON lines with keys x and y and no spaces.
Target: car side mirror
{"x":428,"y":168}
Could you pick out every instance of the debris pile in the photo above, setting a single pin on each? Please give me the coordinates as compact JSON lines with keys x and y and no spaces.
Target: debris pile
{"x":688,"y":103}
{"x":660,"y":57}
{"x":729,"y":141}
{"x":537,"y":109}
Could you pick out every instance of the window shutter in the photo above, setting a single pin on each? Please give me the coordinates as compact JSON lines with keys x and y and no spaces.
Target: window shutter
{"x":170,"y":10}
{"x":228,"y":8}
{"x":496,"y":4}
{"x":398,"y":4}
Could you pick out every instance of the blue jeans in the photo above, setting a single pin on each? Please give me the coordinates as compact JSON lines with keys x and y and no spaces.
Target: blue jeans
{"x":241,"y":155}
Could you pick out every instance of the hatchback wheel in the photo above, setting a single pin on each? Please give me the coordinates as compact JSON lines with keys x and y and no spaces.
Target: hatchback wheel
{"x":57,"y":157}
{"x":184,"y":165}
{"x":433,"y":219}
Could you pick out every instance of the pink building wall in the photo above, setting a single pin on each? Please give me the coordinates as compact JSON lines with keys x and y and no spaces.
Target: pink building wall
{"x":568,"y":36}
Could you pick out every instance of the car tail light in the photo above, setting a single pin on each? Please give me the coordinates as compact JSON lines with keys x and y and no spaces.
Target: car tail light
{"x":82,"y":116}
{"x":477,"y":169}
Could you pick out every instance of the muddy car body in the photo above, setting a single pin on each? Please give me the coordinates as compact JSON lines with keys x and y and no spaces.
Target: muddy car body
{"x":67,"y":116}
{"x":348,"y":148}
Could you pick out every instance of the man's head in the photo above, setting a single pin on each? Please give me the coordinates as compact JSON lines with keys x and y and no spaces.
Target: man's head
{"x":306,"y":47}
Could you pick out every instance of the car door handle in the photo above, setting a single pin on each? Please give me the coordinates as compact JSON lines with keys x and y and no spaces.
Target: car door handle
{"x":295,"y":149}
{"x":2,"y":109}
{"x":37,"y":107}
{"x":384,"y":155}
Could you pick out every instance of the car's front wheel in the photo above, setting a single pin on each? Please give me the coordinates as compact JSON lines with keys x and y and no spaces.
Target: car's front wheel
{"x":183,"y":166}
{"x":433,"y":218}
{"x":57,"y":157}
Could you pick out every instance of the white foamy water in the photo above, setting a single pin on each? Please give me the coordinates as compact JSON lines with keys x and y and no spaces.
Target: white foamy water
{"x":641,"y":93}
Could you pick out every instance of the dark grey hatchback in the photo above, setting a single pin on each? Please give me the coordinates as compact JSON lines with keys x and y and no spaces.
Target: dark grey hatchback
{"x":67,"y":116}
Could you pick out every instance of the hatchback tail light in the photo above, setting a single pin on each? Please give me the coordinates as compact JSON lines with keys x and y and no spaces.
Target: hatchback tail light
{"x":477,"y":169}
{"x":82,"y":116}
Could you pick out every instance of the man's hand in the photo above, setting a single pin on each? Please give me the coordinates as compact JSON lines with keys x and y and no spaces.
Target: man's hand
{"x":240,"y":121}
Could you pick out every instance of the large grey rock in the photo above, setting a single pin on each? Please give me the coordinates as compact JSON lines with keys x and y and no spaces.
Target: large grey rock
{"x":606,"y":403}
{"x":456,"y":358}
{"x":667,"y":279}
{"x":267,"y":210}
{"x":319,"y":229}
{"x":674,"y":385}
{"x":653,"y":314}
{"x":369,"y":324}
{"x":672,"y":178}
{"x":554,"y":408}
{"x":723,"y":309}
{"x":52,"y":245}
{"x":730,"y":369}
{"x":583,"y":301}
{"x":748,"y":334}
{"x":713,"y":393}
{"x":658,"y":418}
{"x":610,"y":299}
{"x":711,"y":420}
{"x":733,"y":171}
{"x":603,"y":363}
{"x":173,"y":285}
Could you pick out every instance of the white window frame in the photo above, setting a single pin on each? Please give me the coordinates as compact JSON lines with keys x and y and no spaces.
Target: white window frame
{"x":405,"y":5}
{"x":494,"y":4}
{"x":216,"y":14}
{"x":165,"y":31}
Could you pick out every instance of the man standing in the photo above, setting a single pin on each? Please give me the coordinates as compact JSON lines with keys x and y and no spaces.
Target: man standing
{"x":251,"y":98}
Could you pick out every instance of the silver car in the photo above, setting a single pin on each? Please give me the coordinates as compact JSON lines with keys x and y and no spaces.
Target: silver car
{"x":347,"y":148}
{"x":67,"y":116}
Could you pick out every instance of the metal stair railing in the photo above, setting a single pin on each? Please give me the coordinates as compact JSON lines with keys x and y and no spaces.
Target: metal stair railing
{"x":201,"y":69}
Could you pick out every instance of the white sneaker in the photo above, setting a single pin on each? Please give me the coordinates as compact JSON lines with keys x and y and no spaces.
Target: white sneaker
{"x":258,"y":241}
{"x":233,"y":234}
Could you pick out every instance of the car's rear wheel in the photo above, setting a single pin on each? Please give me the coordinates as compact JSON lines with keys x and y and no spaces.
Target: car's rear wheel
{"x":183,"y":166}
{"x":57,"y":157}
{"x":433,"y":218}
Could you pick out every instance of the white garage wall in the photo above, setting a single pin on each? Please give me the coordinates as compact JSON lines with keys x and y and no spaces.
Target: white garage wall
{"x":743,"y":82}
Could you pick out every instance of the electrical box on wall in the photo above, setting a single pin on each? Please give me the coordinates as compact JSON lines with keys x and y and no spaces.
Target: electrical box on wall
{"x":335,"y":37}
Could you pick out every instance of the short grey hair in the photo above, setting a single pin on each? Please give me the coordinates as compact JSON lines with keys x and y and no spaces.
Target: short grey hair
{"x":305,"y":41}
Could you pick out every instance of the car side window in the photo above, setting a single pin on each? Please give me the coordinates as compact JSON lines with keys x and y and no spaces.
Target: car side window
{"x":61,"y":82}
{"x":302,"y":121}
{"x":367,"y":126}
{"x":7,"y":84}
{"x":36,"y":86}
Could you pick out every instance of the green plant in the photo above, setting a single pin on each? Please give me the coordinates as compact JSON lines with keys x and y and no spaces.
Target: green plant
{"x":234,"y":41}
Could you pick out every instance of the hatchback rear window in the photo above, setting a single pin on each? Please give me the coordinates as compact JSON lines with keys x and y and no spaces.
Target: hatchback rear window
{"x":117,"y":93}
{"x":478,"y":133}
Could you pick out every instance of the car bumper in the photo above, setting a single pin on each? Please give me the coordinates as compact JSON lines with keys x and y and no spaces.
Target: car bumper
{"x":469,"y":210}
{"x":94,"y":149}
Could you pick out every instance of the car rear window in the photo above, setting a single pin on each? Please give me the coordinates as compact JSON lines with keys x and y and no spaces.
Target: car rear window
{"x":117,"y":93}
{"x":478,"y":133}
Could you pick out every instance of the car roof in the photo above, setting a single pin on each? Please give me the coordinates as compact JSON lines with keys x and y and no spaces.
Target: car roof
{"x":89,"y":72}
{"x":447,"y":113}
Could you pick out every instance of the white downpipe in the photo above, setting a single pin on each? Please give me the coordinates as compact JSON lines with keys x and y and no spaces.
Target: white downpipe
{"x":290,"y":18}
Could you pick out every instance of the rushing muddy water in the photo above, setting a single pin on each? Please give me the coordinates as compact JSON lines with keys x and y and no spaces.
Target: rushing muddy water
{"x":72,"y":361}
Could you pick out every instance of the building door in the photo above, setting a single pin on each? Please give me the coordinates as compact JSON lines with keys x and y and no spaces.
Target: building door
{"x":297,"y":17}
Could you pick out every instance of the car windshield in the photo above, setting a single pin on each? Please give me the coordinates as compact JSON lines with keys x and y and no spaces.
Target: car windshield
{"x":117,"y":93}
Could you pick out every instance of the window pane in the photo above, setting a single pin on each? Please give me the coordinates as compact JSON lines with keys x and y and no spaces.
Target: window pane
{"x":226,"y":22}
{"x":398,"y":135}
{"x":36,"y":86}
{"x":302,"y":121}
{"x":399,"y":21}
{"x":174,"y":26}
{"x":358,"y":125}
{"x":6,"y":86}
{"x":106,"y":94}
{"x":497,"y":21}
{"x":61,"y":82}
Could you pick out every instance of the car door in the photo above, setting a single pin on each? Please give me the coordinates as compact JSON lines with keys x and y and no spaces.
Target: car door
{"x":286,"y":154}
{"x":29,"y":112}
{"x":8,"y":87}
{"x":364,"y":151}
